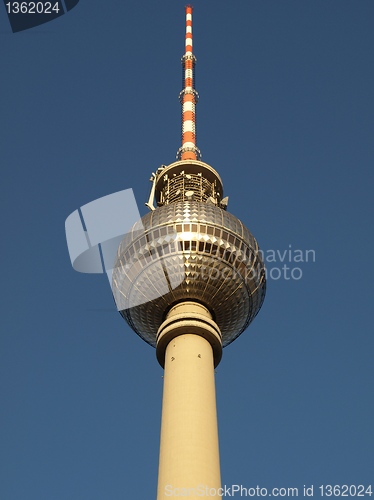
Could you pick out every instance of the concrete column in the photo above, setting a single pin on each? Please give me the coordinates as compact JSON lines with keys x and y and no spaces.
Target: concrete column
{"x":189,"y":453}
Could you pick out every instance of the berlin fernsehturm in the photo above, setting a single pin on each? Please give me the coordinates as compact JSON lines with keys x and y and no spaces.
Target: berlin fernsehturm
{"x":215,"y":286}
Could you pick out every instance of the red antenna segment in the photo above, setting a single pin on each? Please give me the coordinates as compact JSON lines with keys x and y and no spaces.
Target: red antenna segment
{"x":188,"y":97}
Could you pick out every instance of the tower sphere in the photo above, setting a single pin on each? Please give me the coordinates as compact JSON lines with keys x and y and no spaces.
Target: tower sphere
{"x":189,"y":250}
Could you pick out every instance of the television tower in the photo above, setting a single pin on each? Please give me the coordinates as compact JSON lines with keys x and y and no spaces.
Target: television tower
{"x":215,"y":287}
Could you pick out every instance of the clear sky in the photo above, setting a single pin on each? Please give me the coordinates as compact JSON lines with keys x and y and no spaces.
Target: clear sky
{"x":89,"y":106}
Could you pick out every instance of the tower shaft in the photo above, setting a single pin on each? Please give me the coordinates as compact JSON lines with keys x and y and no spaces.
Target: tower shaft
{"x":189,"y":453}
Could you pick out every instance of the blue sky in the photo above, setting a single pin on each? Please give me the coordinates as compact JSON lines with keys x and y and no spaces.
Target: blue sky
{"x":89,"y":106}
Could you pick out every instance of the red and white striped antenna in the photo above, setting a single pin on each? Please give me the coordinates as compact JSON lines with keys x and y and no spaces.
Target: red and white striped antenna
{"x":188,"y":98}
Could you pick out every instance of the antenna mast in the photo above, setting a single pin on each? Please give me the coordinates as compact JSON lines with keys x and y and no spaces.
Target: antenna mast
{"x":188,"y":97}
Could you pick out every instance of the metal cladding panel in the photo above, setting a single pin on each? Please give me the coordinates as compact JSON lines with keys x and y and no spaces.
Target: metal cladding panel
{"x":189,"y":251}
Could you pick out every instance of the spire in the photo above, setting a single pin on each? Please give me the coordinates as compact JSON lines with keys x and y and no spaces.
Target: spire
{"x":188,"y":97}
